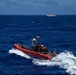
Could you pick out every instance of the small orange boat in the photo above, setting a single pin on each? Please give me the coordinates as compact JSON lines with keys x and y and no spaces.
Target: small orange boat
{"x":36,"y":54}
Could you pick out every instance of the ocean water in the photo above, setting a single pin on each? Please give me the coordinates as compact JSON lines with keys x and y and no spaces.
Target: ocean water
{"x":57,"y":33}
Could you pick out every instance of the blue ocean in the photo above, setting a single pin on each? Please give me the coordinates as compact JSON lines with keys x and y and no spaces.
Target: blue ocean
{"x":56,"y":33}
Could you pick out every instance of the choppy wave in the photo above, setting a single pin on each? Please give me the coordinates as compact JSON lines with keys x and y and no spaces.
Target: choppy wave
{"x":64,"y":60}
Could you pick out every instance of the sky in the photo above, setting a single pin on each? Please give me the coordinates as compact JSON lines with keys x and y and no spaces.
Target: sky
{"x":37,"y":7}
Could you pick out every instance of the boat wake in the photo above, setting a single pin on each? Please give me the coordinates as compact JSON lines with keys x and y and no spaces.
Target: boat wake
{"x":64,"y":60}
{"x":17,"y":52}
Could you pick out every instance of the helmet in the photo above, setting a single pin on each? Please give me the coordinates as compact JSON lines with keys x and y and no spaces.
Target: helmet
{"x":42,"y":45}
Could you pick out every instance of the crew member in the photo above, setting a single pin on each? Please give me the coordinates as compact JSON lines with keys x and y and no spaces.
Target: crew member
{"x":38,"y":47}
{"x":44,"y":49}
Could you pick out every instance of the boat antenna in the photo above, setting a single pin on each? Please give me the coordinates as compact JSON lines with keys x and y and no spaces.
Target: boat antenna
{"x":37,"y":37}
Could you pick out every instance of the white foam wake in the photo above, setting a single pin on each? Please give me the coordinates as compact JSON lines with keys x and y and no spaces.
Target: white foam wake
{"x":17,"y":52}
{"x":65,"y":60}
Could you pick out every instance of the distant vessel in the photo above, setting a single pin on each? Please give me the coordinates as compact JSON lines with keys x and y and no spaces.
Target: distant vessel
{"x":49,"y":15}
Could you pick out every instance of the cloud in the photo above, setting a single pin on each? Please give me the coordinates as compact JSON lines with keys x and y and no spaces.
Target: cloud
{"x":45,"y":2}
{"x":29,"y":2}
